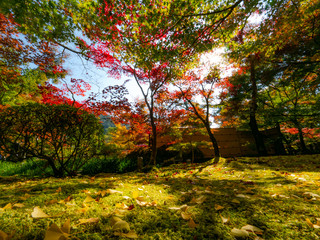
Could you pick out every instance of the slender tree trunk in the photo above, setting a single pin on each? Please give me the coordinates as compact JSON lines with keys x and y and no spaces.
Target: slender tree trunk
{"x":262,"y":151}
{"x":153,"y":157}
{"x":214,"y":144}
{"x":303,"y":146}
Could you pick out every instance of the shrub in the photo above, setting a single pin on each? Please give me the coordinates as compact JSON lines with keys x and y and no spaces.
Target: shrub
{"x":29,"y":168}
{"x":109,"y":165}
{"x":65,"y":136}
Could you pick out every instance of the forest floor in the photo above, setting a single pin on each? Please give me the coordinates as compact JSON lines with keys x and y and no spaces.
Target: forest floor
{"x":249,"y":198}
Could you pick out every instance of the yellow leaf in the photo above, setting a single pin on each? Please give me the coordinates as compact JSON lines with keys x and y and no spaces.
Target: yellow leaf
{"x":225,"y":220}
{"x":58,"y":190}
{"x":113,"y":220}
{"x":53,"y":201}
{"x":89,"y":220}
{"x":184,"y":207}
{"x":111,"y":191}
{"x":102,"y":193}
{"x":153,"y":203}
{"x":170,"y":197}
{"x":140,"y":198}
{"x":120,"y":212}
{"x":25,"y":197}
{"x":239,"y":233}
{"x":198,"y":200}
{"x":186,"y":216}
{"x":38,"y":213}
{"x":66,"y":226}
{"x":192,"y":224}
{"x":218,"y":207}
{"x":18,"y":205}
{"x":141,"y":203}
{"x":121,"y":226}
{"x":82,"y":210}
{"x":55,"y":233}
{"x":309,"y":222}
{"x":130,"y":234}
{"x":253,"y":229}
{"x":135,"y":194}
{"x":316,"y":226}
{"x":235,"y":201}
{"x":8,"y":206}
{"x":88,"y":199}
{"x":4,"y":236}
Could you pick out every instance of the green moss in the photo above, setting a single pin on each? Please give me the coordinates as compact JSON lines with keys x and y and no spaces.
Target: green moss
{"x":251,"y":191}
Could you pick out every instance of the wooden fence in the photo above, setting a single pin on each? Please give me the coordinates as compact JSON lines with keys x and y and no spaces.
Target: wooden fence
{"x":233,"y":142}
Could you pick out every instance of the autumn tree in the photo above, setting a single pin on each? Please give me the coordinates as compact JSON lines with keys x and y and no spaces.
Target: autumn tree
{"x":24,"y":64}
{"x":155,"y":41}
{"x":277,"y":61}
{"x":197,"y":92}
{"x":63,"y":136}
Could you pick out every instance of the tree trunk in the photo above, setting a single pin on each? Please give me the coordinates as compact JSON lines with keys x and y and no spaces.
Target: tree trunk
{"x":304,"y":148}
{"x":214,"y":144}
{"x":153,"y":157}
{"x":262,"y":151}
{"x":278,"y":144}
{"x":56,"y":172}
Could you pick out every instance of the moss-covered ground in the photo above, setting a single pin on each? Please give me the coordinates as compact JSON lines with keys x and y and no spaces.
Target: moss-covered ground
{"x":249,"y":198}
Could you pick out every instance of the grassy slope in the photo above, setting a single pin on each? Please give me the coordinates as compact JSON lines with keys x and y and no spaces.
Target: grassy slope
{"x":271,"y":193}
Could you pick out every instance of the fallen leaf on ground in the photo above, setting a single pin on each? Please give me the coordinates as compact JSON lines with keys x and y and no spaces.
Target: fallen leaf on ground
{"x":218,"y":207}
{"x":242,"y":196}
{"x":113,"y":220}
{"x":186,"y":216}
{"x":66,"y":226}
{"x":170,"y":197}
{"x":25,"y":197}
{"x":313,"y":225}
{"x":225,"y":220}
{"x":4,"y":236}
{"x":55,"y":233}
{"x":235,"y":201}
{"x":198,"y":200}
{"x":135,"y":194}
{"x":38,"y":213}
{"x":88,"y":220}
{"x":102,"y":193}
{"x":88,"y":199}
{"x":8,"y":206}
{"x":130,"y":234}
{"x":18,"y":205}
{"x":182,"y":208}
{"x":253,"y":229}
{"x":53,"y":201}
{"x":146,"y":204}
{"x":239,"y":233}
{"x":310,"y":194}
{"x":111,"y":191}
{"x":192,"y":224}
{"x":118,"y":224}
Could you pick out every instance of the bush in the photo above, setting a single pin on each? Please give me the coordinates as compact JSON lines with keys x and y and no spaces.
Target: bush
{"x":65,"y":136}
{"x":109,"y":165}
{"x":29,"y":168}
